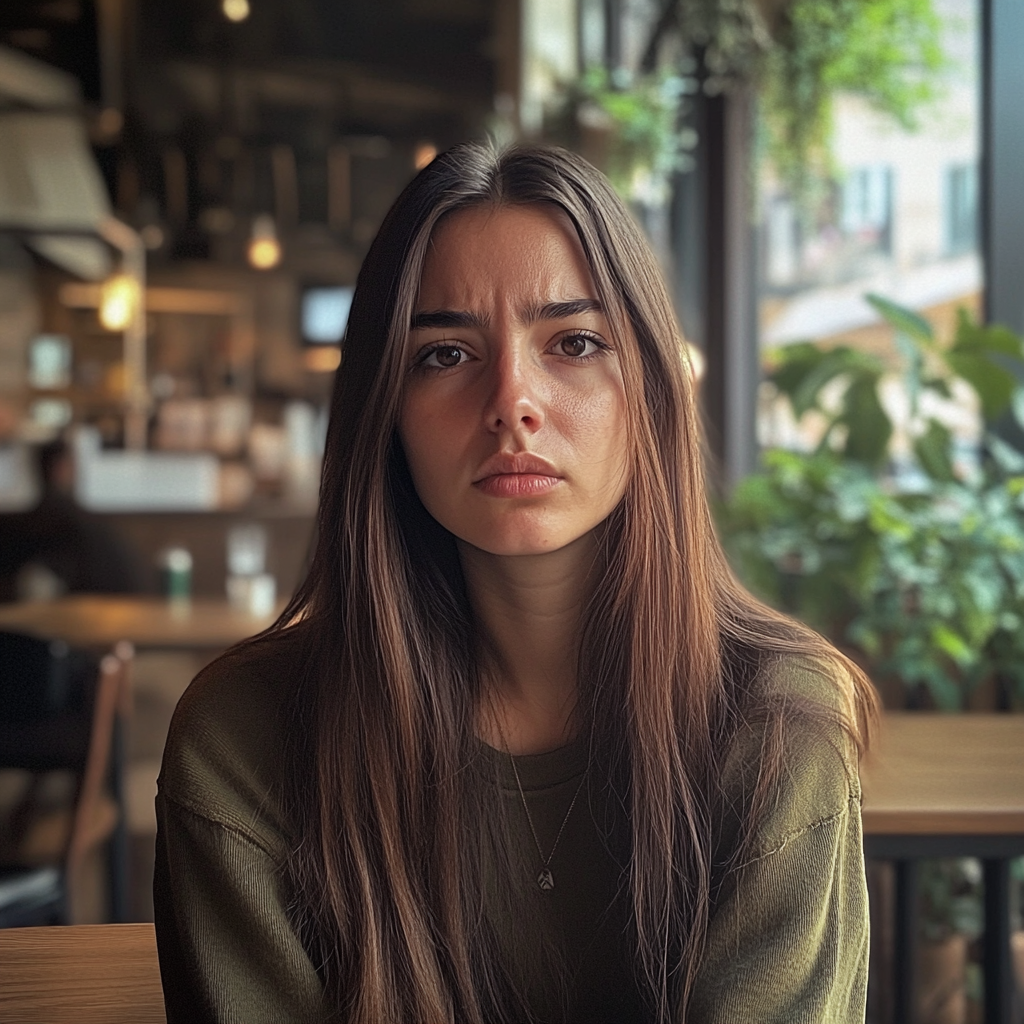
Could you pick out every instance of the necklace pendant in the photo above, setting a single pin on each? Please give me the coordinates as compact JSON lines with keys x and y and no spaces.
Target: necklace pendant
{"x":546,"y":880}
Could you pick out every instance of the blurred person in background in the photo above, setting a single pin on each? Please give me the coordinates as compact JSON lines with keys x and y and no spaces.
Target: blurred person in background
{"x":58,"y":547}
{"x":520,"y":748}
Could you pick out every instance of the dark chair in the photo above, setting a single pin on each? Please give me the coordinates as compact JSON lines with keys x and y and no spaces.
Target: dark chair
{"x":59,"y":712}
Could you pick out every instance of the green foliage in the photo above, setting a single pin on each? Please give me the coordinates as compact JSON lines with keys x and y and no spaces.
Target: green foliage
{"x":887,"y":51}
{"x":925,"y":583}
{"x":639,"y":117}
{"x":988,"y":359}
{"x":950,"y":893}
{"x":925,"y":587}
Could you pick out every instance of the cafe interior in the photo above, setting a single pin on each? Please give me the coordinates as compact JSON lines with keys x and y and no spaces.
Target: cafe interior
{"x":187,"y":192}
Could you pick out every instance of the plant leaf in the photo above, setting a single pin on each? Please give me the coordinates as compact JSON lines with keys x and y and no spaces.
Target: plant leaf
{"x":933,"y":452}
{"x":805,"y":369}
{"x":868,"y":424}
{"x":904,"y":320}
{"x":994,"y":385}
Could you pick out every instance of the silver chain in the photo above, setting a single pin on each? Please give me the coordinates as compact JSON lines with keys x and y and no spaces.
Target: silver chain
{"x":546,"y":880}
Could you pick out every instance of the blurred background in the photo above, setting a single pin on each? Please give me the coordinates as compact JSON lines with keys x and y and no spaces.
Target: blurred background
{"x":834,"y":191}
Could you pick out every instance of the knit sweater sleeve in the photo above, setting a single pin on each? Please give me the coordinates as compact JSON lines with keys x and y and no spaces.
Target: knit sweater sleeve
{"x":229,"y":953}
{"x":788,"y":937}
{"x":789,"y":943}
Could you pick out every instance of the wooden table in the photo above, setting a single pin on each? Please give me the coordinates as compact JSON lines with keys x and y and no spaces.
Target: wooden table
{"x":949,"y":786}
{"x":100,"y":621}
{"x":83,"y":974}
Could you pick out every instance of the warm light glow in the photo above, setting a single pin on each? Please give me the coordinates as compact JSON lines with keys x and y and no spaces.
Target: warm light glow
{"x":264,"y":248}
{"x":425,"y":152}
{"x":235,"y":10}
{"x":119,"y":300}
{"x":264,"y":253}
{"x":322,"y":359}
{"x":696,"y":361}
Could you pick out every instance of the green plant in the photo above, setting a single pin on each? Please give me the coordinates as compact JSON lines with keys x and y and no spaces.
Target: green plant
{"x":801,"y":54}
{"x":888,"y":52}
{"x":1017,"y":894}
{"x":950,"y":898}
{"x":638,"y":118}
{"x":925,"y":587}
{"x":860,"y":428}
{"x":918,"y":569}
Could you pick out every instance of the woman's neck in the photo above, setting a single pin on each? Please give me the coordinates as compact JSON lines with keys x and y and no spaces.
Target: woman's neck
{"x":530,"y":609}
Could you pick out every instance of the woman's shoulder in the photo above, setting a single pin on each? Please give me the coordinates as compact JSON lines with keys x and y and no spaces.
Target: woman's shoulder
{"x":228,"y":744}
{"x":795,"y":727}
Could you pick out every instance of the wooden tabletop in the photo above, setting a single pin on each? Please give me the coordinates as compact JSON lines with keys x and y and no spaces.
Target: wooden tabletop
{"x":933,"y":774}
{"x":83,"y":974}
{"x":93,"y":620}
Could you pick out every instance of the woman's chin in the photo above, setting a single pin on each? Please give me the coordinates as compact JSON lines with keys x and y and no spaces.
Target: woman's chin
{"x":522,"y":542}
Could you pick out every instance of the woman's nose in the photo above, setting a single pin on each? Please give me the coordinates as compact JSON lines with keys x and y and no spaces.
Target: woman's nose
{"x":514,"y":402}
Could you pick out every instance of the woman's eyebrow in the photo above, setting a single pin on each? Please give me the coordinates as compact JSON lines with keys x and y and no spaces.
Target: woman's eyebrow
{"x":530,"y":315}
{"x":560,"y":310}
{"x":447,"y":318}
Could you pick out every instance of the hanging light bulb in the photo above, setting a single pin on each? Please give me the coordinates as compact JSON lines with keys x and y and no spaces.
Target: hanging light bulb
{"x":119,"y":300}
{"x":235,"y":10}
{"x":264,"y":248}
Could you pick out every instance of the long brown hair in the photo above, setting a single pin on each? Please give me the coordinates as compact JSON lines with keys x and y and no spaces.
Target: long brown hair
{"x":387,"y":858}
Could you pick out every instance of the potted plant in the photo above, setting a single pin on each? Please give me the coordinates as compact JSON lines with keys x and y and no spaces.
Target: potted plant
{"x":901,"y":545}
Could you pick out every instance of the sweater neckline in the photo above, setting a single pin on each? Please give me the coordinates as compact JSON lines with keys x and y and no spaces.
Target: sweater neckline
{"x":537,"y":771}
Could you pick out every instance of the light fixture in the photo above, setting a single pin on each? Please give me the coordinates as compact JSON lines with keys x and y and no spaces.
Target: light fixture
{"x":264,"y":248}
{"x":322,"y":358}
{"x":120,"y":296}
{"x":423,"y":154}
{"x":235,"y":10}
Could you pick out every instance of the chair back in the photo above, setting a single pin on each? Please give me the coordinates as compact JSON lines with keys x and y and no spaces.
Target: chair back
{"x":82,"y":974}
{"x":59,"y":710}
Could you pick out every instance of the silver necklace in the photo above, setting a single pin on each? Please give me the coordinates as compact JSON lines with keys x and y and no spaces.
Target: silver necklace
{"x":546,"y":880}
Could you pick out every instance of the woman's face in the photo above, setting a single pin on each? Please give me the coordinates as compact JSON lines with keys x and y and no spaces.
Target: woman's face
{"x":513,"y":410}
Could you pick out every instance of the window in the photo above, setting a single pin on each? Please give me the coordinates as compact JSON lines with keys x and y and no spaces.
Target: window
{"x":867,"y":206}
{"x":961,"y":208}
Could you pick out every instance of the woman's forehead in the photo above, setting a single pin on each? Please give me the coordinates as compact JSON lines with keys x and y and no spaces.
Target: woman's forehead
{"x":525,"y":254}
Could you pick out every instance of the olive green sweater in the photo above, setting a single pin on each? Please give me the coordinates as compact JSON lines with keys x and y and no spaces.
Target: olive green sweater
{"x":788,"y":938}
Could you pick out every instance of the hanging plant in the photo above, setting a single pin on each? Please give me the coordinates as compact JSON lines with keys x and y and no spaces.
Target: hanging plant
{"x":731,"y":38}
{"x":800,"y":54}
{"x":888,"y":52}
{"x":629,"y":127}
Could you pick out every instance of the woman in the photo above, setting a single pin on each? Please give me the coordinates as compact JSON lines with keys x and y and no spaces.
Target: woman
{"x":520,"y":748}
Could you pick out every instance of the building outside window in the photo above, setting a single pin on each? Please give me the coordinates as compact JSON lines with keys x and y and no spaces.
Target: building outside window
{"x":899,"y":218}
{"x":961,"y":208}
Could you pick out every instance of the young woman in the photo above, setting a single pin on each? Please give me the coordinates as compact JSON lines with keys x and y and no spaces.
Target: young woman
{"x":520,"y":748}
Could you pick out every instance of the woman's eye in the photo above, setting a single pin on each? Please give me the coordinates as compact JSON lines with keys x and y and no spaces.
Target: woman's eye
{"x":443,"y":356}
{"x":577,"y":345}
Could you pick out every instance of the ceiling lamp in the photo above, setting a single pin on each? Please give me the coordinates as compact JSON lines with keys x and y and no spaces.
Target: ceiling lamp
{"x":235,"y":10}
{"x":120,"y":296}
{"x":264,"y":248}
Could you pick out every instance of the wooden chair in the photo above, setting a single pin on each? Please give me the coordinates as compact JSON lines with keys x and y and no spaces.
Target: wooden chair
{"x":46,"y":737}
{"x":83,"y":974}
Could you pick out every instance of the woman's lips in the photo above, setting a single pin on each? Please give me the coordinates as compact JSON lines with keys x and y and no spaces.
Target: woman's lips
{"x":516,"y":485}
{"x":516,"y":475}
